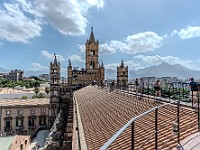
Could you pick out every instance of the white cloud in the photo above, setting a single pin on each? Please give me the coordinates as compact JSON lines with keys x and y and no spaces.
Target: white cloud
{"x":187,"y":33}
{"x":81,"y":48}
{"x":98,"y":3}
{"x":22,"y":20}
{"x":65,"y":15}
{"x":136,"y":43}
{"x":106,"y":49}
{"x":69,"y":16}
{"x":131,"y":65}
{"x":190,"y":32}
{"x":169,"y":59}
{"x":37,"y":66}
{"x":15,"y":26}
{"x":51,"y":56}
{"x":76,"y":57}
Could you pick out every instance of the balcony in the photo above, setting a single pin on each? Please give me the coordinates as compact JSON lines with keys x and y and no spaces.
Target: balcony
{"x":31,"y":127}
{"x":7,"y":129}
{"x":44,"y":127}
{"x":19,"y":128}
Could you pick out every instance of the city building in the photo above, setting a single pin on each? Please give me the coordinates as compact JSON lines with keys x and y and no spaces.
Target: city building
{"x":122,"y":75}
{"x":94,"y":71}
{"x":14,"y":75}
{"x":45,"y":77}
{"x":23,"y":116}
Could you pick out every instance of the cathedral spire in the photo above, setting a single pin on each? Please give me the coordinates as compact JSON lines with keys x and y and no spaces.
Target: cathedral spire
{"x":55,"y":60}
{"x":102,"y":64}
{"x":92,"y":39}
{"x":69,"y":62}
{"x":122,"y":64}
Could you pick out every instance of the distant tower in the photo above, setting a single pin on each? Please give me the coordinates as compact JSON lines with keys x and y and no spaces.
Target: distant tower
{"x":69,"y":74}
{"x":102,"y":71}
{"x":122,"y":75}
{"x":92,"y":49}
{"x":54,"y":90}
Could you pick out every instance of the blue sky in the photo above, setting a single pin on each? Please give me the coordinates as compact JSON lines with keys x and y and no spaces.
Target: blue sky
{"x":141,"y":32}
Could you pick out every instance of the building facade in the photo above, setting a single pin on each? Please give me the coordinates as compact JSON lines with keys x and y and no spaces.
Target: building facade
{"x":45,"y":77}
{"x":122,"y":75}
{"x":94,"y":71}
{"x":14,"y":75}
{"x":23,"y":116}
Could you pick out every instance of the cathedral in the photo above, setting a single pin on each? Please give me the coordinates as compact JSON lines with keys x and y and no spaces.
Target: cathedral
{"x":94,"y":71}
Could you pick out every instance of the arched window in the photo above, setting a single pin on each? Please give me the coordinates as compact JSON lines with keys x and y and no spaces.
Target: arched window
{"x":92,"y":53}
{"x":92,"y":65}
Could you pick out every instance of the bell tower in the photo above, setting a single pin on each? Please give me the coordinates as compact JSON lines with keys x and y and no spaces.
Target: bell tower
{"x":69,"y":73}
{"x":122,"y":75}
{"x":54,"y":90}
{"x":92,"y":50}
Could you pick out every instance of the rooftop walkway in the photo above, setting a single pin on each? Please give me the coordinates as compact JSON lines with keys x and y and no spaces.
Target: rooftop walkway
{"x":103,"y":113}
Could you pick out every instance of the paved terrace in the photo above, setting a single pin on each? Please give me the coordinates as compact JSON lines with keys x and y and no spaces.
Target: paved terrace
{"x":103,"y":113}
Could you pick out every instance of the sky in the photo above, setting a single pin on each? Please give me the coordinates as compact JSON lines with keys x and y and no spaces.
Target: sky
{"x":141,"y":32}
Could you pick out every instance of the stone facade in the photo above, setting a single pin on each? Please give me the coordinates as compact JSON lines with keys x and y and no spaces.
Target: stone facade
{"x":122,"y":75}
{"x":94,"y":71}
{"x":25,"y":119}
{"x":14,"y":75}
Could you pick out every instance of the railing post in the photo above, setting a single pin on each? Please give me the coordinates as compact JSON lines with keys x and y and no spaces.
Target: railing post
{"x":198,"y":115}
{"x":192,"y":99}
{"x":133,"y":137}
{"x":148,"y":91}
{"x":156,"y":129}
{"x":178,"y":121}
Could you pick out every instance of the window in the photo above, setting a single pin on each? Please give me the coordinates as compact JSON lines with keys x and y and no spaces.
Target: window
{"x":31,"y":122}
{"x":20,"y":112}
{"x":8,"y":123}
{"x":43,"y":111}
{"x":19,"y":123}
{"x":92,"y":53}
{"x":32,"y":111}
{"x":92,"y":65}
{"x":8,"y":112}
{"x":42,"y":121}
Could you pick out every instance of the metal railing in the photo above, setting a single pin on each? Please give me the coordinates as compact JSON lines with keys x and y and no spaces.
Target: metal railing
{"x":131,"y":122}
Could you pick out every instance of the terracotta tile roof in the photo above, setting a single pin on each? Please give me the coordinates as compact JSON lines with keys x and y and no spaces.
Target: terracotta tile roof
{"x":103,"y":113}
{"x":22,"y":102}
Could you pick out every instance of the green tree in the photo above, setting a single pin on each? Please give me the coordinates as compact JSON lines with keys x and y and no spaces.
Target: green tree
{"x":47,"y":90}
{"x":36,"y":90}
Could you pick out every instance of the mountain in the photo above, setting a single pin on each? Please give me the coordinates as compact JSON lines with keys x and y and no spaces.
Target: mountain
{"x":110,"y":74}
{"x":34,"y":73}
{"x":2,"y":70}
{"x":167,"y":70}
{"x":162,"y":70}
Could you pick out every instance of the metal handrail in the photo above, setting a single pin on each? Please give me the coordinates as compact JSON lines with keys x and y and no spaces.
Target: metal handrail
{"x":119,"y":132}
